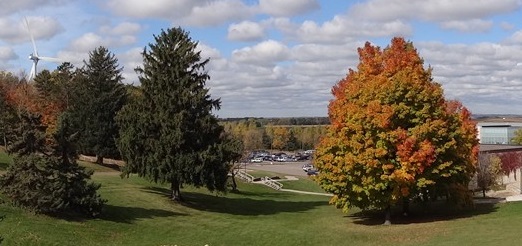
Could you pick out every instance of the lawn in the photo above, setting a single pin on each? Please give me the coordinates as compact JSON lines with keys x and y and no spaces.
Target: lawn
{"x":5,"y":160}
{"x":140,"y":213}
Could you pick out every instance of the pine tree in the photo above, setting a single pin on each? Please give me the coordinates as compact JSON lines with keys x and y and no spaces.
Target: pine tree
{"x":100,"y":96}
{"x":54,"y":182}
{"x":168,"y":133}
{"x":29,"y":135}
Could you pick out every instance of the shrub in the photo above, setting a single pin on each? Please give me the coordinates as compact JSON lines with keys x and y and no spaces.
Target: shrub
{"x":49,"y":185}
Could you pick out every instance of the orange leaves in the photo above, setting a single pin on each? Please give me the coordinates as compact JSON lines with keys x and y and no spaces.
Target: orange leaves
{"x":415,"y":156}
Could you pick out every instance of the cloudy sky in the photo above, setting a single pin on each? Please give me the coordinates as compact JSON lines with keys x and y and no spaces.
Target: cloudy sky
{"x":277,"y":58}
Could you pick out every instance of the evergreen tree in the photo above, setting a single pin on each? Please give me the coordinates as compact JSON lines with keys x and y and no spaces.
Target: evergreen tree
{"x":99,"y":97}
{"x":29,"y":135}
{"x":54,"y":183}
{"x":168,"y":132}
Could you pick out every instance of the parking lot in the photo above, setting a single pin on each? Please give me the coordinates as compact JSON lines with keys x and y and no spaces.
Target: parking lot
{"x":289,"y":168}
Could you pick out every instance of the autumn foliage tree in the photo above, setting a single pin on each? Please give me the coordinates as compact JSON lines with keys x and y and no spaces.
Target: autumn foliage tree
{"x":280,"y":137}
{"x":488,"y":171}
{"x":510,"y":162}
{"x":393,"y":136}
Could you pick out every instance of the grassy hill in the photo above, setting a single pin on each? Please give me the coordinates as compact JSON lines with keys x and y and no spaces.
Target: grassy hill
{"x":140,"y":213}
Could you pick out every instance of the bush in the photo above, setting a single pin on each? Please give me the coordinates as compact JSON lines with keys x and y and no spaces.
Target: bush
{"x":46,"y":184}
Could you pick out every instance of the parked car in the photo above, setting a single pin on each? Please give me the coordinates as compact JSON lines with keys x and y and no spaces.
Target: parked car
{"x":309,"y":152}
{"x":257,"y":160}
{"x":307,"y":167}
{"x":312,"y":172}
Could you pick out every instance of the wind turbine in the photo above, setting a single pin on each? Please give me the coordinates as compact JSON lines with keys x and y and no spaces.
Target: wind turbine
{"x":34,"y":56}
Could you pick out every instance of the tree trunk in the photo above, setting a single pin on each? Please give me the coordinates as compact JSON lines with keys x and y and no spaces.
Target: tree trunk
{"x":484,"y":193}
{"x":175,"y":191}
{"x":234,"y":184}
{"x":5,"y":143}
{"x":99,"y":159}
{"x":405,"y":206}
{"x":387,"y":215}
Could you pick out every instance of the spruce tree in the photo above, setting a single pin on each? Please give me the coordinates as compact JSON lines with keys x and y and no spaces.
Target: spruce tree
{"x":168,"y":133}
{"x":99,"y":97}
{"x":29,"y":135}
{"x":54,"y":182}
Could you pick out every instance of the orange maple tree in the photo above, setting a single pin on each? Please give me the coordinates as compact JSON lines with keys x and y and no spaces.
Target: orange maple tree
{"x":393,"y":136}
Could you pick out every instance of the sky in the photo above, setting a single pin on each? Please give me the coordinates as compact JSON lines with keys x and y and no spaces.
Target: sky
{"x":280,"y":58}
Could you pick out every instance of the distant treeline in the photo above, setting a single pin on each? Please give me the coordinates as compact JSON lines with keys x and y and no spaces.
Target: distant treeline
{"x":286,"y":121}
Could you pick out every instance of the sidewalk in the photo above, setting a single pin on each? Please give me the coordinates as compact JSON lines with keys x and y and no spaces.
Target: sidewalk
{"x":514,"y":198}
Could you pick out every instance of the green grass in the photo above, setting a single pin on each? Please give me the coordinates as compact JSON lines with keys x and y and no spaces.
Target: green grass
{"x":140,"y":213}
{"x":98,"y":168}
{"x":304,"y":183}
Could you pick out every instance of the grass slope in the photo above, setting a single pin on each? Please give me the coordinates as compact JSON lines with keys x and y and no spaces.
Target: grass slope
{"x":140,"y":213}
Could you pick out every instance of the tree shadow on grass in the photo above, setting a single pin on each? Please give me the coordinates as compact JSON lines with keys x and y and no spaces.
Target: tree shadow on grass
{"x":242,"y":205}
{"x":119,"y":214}
{"x":422,"y":214}
{"x":114,"y":167}
{"x":128,"y":215}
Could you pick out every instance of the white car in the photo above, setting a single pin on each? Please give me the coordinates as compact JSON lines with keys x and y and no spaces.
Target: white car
{"x":308,"y":167}
{"x":257,"y":159}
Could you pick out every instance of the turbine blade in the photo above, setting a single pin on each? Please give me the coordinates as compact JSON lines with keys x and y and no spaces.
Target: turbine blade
{"x":51,"y":59}
{"x":32,"y":74}
{"x":32,"y":38}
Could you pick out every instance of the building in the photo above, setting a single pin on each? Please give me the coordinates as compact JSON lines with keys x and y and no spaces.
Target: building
{"x":497,"y":132}
{"x":511,"y":182}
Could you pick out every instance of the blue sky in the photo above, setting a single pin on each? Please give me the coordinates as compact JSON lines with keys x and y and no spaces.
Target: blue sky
{"x":274,"y":58}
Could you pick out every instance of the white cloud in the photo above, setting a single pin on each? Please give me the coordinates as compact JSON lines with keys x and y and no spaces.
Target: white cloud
{"x":246,"y":31}
{"x":474,"y":25}
{"x":483,"y":75}
{"x":40,"y":27}
{"x":208,"y":52}
{"x":431,"y":10}
{"x":166,"y":9}
{"x":124,"y":28}
{"x":343,"y":29}
{"x":516,"y":37}
{"x":506,"y":25}
{"x":325,"y":52}
{"x":264,"y":53}
{"x":8,"y":7}
{"x":88,"y":42}
{"x":130,"y":60}
{"x":186,"y":12}
{"x":7,"y":53}
{"x":287,"y":7}
{"x":214,"y":13}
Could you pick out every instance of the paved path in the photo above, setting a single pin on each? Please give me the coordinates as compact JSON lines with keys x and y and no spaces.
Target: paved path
{"x":306,"y":192}
{"x":514,"y":198}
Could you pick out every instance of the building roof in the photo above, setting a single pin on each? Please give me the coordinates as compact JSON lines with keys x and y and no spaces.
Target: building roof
{"x":499,"y":148}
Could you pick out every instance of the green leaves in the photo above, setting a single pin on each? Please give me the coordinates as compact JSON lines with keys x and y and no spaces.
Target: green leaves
{"x":99,"y":95}
{"x":168,"y":132}
{"x":48,"y":185}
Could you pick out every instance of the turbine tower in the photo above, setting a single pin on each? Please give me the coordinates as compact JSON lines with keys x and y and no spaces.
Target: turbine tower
{"x":34,"y":56}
